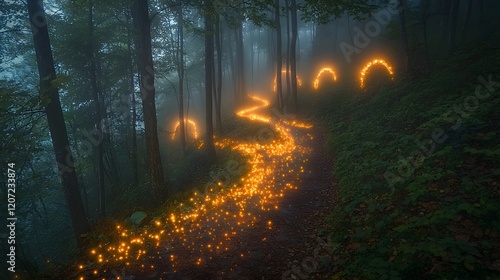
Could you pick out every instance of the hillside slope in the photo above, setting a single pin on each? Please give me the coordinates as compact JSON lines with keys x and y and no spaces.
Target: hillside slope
{"x":418,"y":166}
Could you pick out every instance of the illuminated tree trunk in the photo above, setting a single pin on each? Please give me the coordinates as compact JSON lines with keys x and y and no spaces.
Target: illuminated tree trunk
{"x":55,"y":119}
{"x":153,"y":159}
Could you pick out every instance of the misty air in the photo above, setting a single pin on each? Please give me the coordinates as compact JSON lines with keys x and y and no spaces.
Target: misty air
{"x":250,"y":140}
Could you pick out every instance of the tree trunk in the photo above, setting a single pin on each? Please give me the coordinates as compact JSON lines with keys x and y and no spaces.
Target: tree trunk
{"x":425,"y":8}
{"x":209,"y":61}
{"x":279,"y":92}
{"x":258,"y":56}
{"x":135,"y":171}
{"x":404,"y":36}
{"x":95,"y":94}
{"x":287,"y":61}
{"x":180,"y":74}
{"x":481,"y":10}
{"x":467,"y":19}
{"x":233,"y":69}
{"x":55,"y":119}
{"x":445,"y":11}
{"x":293,"y":55}
{"x":271,"y":53}
{"x":218,"y":105}
{"x":153,"y":159}
{"x":252,"y":58}
{"x":241,"y":62}
{"x":335,"y":36}
{"x":452,"y":38}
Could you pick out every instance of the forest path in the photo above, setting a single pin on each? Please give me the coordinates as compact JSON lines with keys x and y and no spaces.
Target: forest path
{"x":265,"y":227}
{"x":293,"y":246}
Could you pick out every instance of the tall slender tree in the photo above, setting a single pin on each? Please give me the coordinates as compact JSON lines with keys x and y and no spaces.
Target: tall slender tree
{"x":279,"y":91}
{"x":404,"y":36}
{"x":97,"y":104}
{"x":146,"y":70}
{"x":49,"y":94}
{"x":240,"y":62}
{"x":131,"y":88}
{"x":180,"y":72}
{"x":209,"y":62}
{"x":452,"y":33}
{"x":467,"y":18}
{"x":218,"y":90}
{"x":293,"y":55}
{"x":287,"y":60}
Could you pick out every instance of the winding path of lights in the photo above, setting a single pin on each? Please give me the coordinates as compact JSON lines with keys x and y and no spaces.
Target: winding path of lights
{"x":370,"y":64}
{"x":207,"y":225}
{"x":327,"y":69}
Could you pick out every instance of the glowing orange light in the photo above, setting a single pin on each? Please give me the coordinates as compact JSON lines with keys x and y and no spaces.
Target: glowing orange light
{"x":207,"y":221}
{"x":327,"y":69}
{"x":246,"y":113}
{"x":299,"y":82}
{"x":370,"y":64}
{"x":193,"y":125}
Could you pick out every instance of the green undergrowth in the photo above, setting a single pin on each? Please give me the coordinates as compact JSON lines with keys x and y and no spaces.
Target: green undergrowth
{"x":418,"y":170}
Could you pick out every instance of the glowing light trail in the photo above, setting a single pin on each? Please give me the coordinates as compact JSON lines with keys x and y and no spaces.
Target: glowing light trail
{"x":327,"y":69}
{"x":370,"y":64}
{"x":196,"y":231}
{"x":193,"y":126}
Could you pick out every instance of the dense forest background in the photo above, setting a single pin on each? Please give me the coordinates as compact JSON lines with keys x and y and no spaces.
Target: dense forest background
{"x":93,"y":93}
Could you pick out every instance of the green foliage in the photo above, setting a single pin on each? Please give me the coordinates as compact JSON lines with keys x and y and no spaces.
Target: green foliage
{"x":436,"y":218}
{"x":193,"y":169}
{"x":323,"y":11}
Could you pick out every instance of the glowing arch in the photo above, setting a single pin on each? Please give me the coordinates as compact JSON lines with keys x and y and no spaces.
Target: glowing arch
{"x":370,"y":64}
{"x":327,"y":69}
{"x":299,"y":82}
{"x":193,"y":126}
